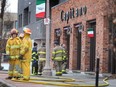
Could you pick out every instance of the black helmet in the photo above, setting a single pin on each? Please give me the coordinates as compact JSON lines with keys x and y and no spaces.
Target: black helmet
{"x":56,"y":42}
{"x":35,"y":44}
{"x":43,"y":44}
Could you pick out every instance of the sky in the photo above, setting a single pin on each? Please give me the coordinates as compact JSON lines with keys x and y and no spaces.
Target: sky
{"x":13,"y":6}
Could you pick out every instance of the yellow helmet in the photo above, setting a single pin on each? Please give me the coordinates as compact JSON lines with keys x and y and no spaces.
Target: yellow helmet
{"x":27,"y":30}
{"x":21,"y":35}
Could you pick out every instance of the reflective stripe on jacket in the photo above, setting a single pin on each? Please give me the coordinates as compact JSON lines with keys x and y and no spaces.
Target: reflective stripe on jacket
{"x":26,"y":48}
{"x":13,"y":47}
{"x":58,"y":53}
{"x":34,"y":55}
{"x":42,"y":54}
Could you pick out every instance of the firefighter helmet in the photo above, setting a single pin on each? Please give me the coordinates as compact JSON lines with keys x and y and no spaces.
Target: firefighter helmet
{"x":14,"y":31}
{"x":27,"y":30}
{"x":56,"y":42}
{"x":35,"y":44}
{"x":21,"y":35}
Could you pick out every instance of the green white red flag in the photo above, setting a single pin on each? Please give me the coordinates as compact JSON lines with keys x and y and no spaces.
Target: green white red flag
{"x":40,"y":8}
{"x":90,"y":32}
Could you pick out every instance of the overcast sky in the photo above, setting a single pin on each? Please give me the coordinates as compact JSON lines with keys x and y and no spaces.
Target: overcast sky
{"x":13,"y":6}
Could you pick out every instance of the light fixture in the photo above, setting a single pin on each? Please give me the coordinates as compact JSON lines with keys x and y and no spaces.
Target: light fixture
{"x":80,"y":27}
{"x":58,"y":32}
{"x":68,"y":30}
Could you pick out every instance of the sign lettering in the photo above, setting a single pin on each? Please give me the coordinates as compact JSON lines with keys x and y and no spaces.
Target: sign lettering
{"x":72,"y":13}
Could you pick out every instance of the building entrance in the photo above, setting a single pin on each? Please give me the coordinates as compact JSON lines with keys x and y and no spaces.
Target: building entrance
{"x":66,"y":35}
{"x":92,"y":25}
{"x":78,"y":31}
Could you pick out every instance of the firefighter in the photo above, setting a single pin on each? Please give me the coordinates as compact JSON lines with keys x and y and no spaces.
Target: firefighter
{"x":34,"y":60}
{"x":26,"y":53}
{"x":13,"y":52}
{"x":42,"y":58}
{"x":64,"y":63}
{"x":21,"y":36}
{"x":58,"y":56}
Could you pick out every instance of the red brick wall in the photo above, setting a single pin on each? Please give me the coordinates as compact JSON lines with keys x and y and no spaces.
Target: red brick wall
{"x":95,"y":10}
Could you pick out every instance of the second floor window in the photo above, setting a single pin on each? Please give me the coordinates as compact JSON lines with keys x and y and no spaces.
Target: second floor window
{"x":26,"y":16}
{"x":20,"y":21}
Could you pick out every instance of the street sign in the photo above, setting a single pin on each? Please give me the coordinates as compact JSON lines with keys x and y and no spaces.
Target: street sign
{"x":46,"y":21}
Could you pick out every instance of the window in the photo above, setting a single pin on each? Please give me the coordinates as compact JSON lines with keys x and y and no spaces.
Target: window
{"x":16,"y":24}
{"x":26,"y":15}
{"x":29,"y":17}
{"x":20,"y":20}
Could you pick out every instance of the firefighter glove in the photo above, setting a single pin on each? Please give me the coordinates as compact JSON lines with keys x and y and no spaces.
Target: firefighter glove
{"x":21,"y":57}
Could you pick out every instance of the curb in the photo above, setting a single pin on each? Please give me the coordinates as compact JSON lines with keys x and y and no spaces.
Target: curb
{"x":8,"y":84}
{"x":63,"y":84}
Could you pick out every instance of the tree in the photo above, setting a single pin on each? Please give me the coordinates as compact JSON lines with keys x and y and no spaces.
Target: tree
{"x":3,"y":4}
{"x":8,"y":23}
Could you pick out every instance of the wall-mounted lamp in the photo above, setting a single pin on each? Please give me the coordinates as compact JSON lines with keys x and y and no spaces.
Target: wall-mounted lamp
{"x":80,"y":27}
{"x":68,"y":30}
{"x":58,"y":32}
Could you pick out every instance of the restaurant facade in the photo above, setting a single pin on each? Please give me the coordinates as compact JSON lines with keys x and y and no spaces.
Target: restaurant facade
{"x":87,"y":30}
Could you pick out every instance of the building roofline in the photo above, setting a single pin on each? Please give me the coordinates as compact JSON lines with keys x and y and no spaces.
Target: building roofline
{"x":60,"y":4}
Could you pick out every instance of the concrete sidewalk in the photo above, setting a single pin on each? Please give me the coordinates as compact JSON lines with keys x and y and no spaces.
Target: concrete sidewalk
{"x":3,"y":75}
{"x":79,"y":79}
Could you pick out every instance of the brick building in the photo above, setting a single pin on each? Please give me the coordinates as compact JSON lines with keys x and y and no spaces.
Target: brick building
{"x":71,"y":22}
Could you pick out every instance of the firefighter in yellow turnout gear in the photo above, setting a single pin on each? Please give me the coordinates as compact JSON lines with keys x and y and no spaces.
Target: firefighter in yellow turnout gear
{"x":64,"y":62}
{"x":26,"y":53}
{"x":21,"y":36}
{"x":42,"y":58}
{"x":13,"y":52}
{"x":58,"y":56}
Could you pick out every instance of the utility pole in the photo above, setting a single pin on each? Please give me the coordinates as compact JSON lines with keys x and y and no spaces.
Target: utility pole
{"x":47,"y":70}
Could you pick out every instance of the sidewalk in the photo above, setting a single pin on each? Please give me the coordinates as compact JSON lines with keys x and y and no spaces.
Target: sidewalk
{"x":79,"y":79}
{"x":10,"y":83}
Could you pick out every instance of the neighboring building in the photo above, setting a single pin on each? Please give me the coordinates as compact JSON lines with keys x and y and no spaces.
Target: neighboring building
{"x":10,"y":21}
{"x":71,"y":23}
{"x":26,"y":18}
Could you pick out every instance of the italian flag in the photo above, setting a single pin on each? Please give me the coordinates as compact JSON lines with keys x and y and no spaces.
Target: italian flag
{"x":40,"y":8}
{"x":90,"y":32}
